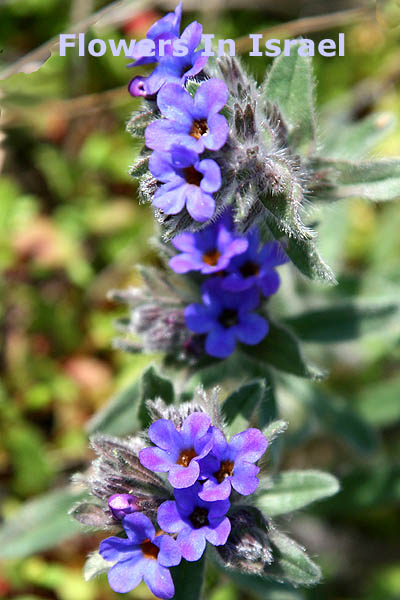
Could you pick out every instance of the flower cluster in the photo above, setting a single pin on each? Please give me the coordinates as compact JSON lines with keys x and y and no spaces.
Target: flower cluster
{"x":163,"y":36}
{"x":239,"y":270}
{"x":202,"y":468}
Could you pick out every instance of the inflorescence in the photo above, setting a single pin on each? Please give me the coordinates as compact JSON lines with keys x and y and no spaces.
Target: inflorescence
{"x":162,"y":521}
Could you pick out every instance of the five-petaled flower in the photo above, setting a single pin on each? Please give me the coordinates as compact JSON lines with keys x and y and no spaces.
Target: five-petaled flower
{"x":231,"y":464}
{"x":178,"y":452}
{"x":188,"y":182}
{"x":192,"y":122}
{"x":255,"y":267}
{"x":226,"y":318}
{"x":142,"y":555}
{"x":209,"y":250}
{"x":195,"y":521}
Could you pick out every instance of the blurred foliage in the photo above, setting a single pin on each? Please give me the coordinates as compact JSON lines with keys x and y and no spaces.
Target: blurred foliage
{"x":71,"y":228}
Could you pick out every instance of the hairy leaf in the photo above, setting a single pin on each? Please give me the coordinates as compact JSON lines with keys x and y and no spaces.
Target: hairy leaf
{"x":120,"y":415}
{"x":290,"y":85}
{"x":152,"y":386}
{"x":291,"y":490}
{"x":292,"y":563}
{"x":375,"y":180}
{"x":305,"y":256}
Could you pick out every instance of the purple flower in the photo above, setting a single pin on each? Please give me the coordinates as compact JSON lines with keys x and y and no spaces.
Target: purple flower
{"x":166,"y":28}
{"x":209,"y":250}
{"x":188,"y":182}
{"x":122,"y":505}
{"x":192,"y":122}
{"x":231,"y":464}
{"x":178,"y":451}
{"x":195,"y":521}
{"x":256,"y":267}
{"x":143,"y":555}
{"x":225,"y":318}
{"x":173,"y":69}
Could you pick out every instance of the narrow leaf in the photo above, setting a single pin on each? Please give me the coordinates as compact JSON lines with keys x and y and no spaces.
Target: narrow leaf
{"x":379,"y":404}
{"x":40,"y":524}
{"x":291,"y":490}
{"x":377,"y":180}
{"x":290,"y":86}
{"x":304,"y":254}
{"x":346,"y":321}
{"x":292,"y":561}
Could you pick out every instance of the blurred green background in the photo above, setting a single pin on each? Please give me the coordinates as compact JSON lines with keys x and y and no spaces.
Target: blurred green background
{"x":71,"y":228}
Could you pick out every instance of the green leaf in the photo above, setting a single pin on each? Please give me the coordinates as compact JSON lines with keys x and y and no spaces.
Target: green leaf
{"x":188,"y":579}
{"x":346,"y":321}
{"x":305,"y":256}
{"x":140,"y":167}
{"x":376,"y":180}
{"x":290,"y":85}
{"x":291,"y":490}
{"x":379,"y":404}
{"x":241,"y":405}
{"x":152,"y":386}
{"x":292,"y":562}
{"x":353,"y":140}
{"x":40,"y":524}
{"x":120,"y":415}
{"x":281,"y":349}
{"x":138,"y":122}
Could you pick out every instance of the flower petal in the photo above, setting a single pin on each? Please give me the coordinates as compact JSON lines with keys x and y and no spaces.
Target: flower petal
{"x":216,"y":491}
{"x":170,"y":198}
{"x":163,"y":434}
{"x":156,"y":460}
{"x":251,"y":329}
{"x":195,"y":426}
{"x":211,"y":181}
{"x":138,"y":527}
{"x":159,"y":580}
{"x":169,"y":518}
{"x":186,"y":242}
{"x":116,"y":548}
{"x":200,"y":205}
{"x":244,"y":480}
{"x":198,"y":319}
{"x":176,"y":104}
{"x":192,"y":543}
{"x":218,"y":535}
{"x":183,"y":477}
{"x":162,"y":134}
{"x":125,"y":576}
{"x":211,"y":96}
{"x":218,"y":132}
{"x":220,"y":342}
{"x":269,"y":282}
{"x":248,"y":445}
{"x":169,"y":555}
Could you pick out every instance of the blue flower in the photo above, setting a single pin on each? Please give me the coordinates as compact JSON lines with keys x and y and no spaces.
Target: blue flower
{"x":166,"y":28}
{"x":188,"y":182}
{"x":225,"y":318}
{"x":209,"y":250}
{"x":231,"y":464}
{"x":195,"y":521}
{"x":192,"y":122}
{"x":173,"y":69}
{"x":143,"y":555}
{"x":178,"y":451}
{"x":255,"y":267}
